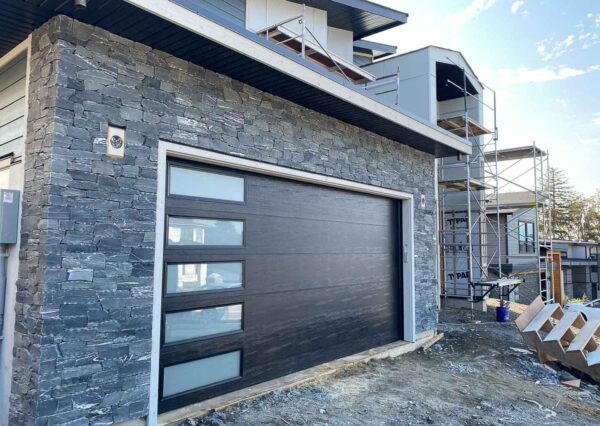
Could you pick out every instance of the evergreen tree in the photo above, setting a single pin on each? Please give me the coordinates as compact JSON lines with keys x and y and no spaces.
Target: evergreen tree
{"x":562,"y":198}
{"x":574,"y":217}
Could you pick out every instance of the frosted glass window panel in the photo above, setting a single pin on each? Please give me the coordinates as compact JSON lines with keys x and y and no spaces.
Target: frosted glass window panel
{"x":202,"y":322}
{"x":191,"y":375}
{"x":184,"y":231}
{"x":183,"y":278}
{"x":203,"y":184}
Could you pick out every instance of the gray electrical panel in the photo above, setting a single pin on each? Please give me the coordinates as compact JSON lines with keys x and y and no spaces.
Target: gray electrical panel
{"x":10,"y":200}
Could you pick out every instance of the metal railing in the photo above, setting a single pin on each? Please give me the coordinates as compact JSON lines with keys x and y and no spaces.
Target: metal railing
{"x":383,"y":83}
{"x":302,"y":37}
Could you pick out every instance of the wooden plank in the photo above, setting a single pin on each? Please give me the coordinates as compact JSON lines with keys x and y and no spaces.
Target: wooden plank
{"x":593,"y":358}
{"x":560,"y":329}
{"x":542,"y":317}
{"x":532,"y":310}
{"x":584,"y":336}
{"x":433,"y":341}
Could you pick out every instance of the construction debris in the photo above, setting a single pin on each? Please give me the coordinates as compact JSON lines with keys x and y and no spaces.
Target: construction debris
{"x":433,"y":341}
{"x":576,"y":383}
{"x":521,"y":351}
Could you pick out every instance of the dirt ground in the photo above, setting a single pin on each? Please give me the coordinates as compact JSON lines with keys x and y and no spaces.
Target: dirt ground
{"x":479,"y":374}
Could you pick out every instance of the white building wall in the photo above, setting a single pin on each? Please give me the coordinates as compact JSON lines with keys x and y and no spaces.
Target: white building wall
{"x":417,"y":83}
{"x":263,"y":13}
{"x":340,"y":42}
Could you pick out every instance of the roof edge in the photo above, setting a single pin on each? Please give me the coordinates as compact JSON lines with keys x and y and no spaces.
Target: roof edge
{"x":377,"y":9}
{"x":380,"y":47}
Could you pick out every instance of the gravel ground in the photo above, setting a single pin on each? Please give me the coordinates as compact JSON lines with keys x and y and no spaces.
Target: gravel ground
{"x":481,"y":373}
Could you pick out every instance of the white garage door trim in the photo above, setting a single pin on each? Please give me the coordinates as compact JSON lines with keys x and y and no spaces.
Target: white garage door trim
{"x":201,"y":155}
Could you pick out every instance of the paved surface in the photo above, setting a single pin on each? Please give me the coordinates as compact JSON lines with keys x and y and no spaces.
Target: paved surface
{"x":479,"y":374}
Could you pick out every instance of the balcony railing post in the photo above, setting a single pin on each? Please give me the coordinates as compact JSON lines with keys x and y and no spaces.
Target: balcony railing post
{"x":303,"y":30}
{"x":398,"y":86}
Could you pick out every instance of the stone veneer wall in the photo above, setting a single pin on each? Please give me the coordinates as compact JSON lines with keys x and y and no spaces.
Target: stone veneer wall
{"x":84,"y":311}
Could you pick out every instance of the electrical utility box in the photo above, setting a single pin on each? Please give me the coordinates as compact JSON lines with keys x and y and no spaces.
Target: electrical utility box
{"x":10,"y":200}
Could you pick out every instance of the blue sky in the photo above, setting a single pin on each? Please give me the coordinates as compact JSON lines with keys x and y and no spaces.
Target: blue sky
{"x":541,"y":57}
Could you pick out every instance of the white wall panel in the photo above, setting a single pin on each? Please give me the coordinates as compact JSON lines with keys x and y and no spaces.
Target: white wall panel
{"x":262,"y":13}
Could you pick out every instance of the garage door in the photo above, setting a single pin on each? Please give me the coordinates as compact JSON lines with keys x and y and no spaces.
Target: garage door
{"x":266,"y":276}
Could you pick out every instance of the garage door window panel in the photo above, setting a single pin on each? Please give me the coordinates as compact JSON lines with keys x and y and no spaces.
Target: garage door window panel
{"x":205,"y":232}
{"x":197,"y":183}
{"x":200,"y":373}
{"x":204,"y":276}
{"x":202,"y":323}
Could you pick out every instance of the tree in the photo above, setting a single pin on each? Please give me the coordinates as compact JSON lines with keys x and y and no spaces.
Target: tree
{"x":574,"y":217}
{"x":562,"y":199}
{"x":591,"y":218}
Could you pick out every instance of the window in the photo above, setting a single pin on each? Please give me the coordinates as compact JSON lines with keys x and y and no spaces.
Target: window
{"x":185,"y":231}
{"x":196,"y":323}
{"x":526,"y":237}
{"x":187,"y":277}
{"x":195,"y":374}
{"x":204,"y":184}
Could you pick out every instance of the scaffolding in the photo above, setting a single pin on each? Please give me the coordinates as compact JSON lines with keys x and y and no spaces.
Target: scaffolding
{"x":465,"y":186}
{"x":524,"y":193}
{"x":474,"y":259}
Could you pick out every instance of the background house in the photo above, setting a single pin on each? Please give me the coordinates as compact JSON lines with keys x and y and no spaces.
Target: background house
{"x":522,"y":252}
{"x":579,"y":260}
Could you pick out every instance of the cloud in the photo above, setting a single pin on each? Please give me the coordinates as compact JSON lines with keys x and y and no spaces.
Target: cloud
{"x":516,"y":5}
{"x":432,"y":27}
{"x":558,"y":48}
{"x":524,"y":75}
{"x":586,"y":36}
{"x":460,"y":18}
{"x":596,"y":119}
{"x":562,"y":103}
{"x":588,"y":39}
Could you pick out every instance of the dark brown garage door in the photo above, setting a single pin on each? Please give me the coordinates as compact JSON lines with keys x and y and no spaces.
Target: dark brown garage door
{"x":266,"y":276}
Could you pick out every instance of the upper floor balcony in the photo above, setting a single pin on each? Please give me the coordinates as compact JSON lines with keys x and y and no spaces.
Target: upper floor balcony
{"x":311,"y":52}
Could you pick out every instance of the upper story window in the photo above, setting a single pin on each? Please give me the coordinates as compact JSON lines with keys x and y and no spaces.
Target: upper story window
{"x":526,"y":237}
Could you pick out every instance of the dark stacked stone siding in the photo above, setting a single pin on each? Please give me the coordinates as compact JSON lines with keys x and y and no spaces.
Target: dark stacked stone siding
{"x":84,"y":312}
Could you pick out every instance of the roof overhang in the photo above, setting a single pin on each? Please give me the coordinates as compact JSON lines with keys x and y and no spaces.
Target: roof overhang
{"x":379,"y":50}
{"x":195,"y":34}
{"x":361,"y":17}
